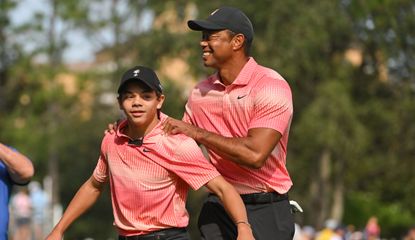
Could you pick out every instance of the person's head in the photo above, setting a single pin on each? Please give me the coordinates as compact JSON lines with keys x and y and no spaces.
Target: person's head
{"x":226,"y":29}
{"x":140,"y":95}
{"x":331,"y":224}
{"x":34,"y":186}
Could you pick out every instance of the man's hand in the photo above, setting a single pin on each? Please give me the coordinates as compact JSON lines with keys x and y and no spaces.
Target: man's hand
{"x":112,"y":127}
{"x":174,"y":126}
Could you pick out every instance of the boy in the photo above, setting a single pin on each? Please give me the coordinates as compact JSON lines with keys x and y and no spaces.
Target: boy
{"x":149,"y":172}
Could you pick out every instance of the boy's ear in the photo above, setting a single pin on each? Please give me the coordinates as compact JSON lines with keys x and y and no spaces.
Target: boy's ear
{"x":161,"y":101}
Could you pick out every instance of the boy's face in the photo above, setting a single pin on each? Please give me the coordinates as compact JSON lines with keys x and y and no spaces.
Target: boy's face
{"x":140,"y":103}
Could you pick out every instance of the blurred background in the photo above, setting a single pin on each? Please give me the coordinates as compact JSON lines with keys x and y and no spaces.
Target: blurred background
{"x":350,"y":64}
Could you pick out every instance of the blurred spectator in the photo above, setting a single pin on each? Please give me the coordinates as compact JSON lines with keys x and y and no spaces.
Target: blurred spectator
{"x":304,"y":233}
{"x":357,"y":235}
{"x":40,"y":201}
{"x":22,"y":213}
{"x":308,"y":233}
{"x":328,"y":232}
{"x":341,"y":230}
{"x":372,"y":229}
{"x":350,"y":229}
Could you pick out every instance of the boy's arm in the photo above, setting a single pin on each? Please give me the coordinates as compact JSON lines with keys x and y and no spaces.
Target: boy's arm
{"x":19,"y":167}
{"x":233,"y":204}
{"x":86,"y":196}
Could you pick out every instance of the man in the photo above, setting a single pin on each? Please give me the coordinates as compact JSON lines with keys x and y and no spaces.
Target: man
{"x":15,"y":169}
{"x":150,"y":172}
{"x":242,"y":114}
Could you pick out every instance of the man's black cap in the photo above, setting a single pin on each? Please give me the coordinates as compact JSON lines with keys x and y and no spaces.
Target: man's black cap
{"x":225,"y":18}
{"x":143,"y":74}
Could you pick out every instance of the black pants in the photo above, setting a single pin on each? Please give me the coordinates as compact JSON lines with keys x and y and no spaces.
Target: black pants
{"x":166,"y":234}
{"x":270,"y":220}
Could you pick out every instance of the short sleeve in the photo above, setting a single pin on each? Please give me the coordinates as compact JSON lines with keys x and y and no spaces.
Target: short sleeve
{"x":187,"y":116}
{"x":101,"y":169}
{"x":273,"y":106}
{"x":191,"y":166}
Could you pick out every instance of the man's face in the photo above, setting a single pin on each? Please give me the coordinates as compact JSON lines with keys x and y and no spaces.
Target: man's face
{"x":140,"y":103}
{"x":217,"y":48}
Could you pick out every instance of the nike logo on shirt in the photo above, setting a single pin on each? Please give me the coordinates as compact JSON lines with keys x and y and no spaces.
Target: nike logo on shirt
{"x":146,"y":150}
{"x":241,"y":96}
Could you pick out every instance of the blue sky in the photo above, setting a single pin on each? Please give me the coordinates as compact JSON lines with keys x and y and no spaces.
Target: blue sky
{"x":79,"y":50}
{"x":81,"y":47}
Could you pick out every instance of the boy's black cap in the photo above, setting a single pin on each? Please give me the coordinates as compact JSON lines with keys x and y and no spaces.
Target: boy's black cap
{"x":225,"y":18}
{"x":144,"y":74}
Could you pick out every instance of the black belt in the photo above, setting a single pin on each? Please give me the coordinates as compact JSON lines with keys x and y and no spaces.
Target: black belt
{"x":265,"y":197}
{"x":156,"y":235}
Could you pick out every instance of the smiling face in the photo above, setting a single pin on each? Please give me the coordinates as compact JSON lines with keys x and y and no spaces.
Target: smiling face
{"x":217,"y":47}
{"x":140,"y":104}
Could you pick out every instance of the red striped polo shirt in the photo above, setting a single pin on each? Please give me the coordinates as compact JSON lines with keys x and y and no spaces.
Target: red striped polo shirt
{"x":149,"y":183}
{"x":258,"y":98}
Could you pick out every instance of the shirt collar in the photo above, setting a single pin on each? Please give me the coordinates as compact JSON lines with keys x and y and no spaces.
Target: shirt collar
{"x":151,"y":137}
{"x":244,"y":75}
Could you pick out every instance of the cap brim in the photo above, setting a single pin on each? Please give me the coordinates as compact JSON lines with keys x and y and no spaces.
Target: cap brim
{"x":136,"y":79}
{"x":200,"y":25}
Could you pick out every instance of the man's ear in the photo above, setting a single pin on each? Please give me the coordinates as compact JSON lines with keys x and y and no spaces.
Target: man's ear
{"x":238,"y":41}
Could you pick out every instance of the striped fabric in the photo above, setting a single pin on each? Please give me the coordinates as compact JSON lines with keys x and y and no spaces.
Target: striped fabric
{"x":258,"y":98}
{"x":149,"y":183}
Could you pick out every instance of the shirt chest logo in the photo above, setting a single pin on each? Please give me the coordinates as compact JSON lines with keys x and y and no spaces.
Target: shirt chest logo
{"x":241,"y":96}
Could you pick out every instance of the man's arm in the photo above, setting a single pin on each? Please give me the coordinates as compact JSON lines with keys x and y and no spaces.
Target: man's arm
{"x":233,"y":204}
{"x":20,"y":168}
{"x":86,"y":196}
{"x":251,"y":151}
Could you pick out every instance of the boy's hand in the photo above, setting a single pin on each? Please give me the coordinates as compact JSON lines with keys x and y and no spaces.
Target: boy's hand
{"x":54,"y":235}
{"x":244,"y":232}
